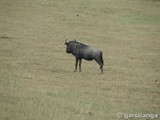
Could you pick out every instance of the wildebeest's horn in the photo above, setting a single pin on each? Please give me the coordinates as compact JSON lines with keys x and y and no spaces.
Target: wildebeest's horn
{"x":66,"y":41}
{"x":75,"y":40}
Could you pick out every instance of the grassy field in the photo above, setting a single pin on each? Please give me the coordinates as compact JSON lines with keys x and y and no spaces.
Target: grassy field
{"x":37,"y":81}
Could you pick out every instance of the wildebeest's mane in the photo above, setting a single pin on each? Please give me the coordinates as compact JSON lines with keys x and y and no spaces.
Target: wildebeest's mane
{"x":79,"y":43}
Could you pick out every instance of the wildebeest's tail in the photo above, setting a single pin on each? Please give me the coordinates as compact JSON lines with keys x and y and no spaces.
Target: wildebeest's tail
{"x":101,"y":57}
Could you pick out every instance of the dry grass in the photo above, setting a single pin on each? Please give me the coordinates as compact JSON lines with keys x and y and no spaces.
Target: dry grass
{"x":36,"y":75}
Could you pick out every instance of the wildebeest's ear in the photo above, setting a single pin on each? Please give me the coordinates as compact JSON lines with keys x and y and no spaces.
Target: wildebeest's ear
{"x":66,"y":43}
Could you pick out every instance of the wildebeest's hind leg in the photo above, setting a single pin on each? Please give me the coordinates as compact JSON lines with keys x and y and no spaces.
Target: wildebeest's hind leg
{"x":101,"y":64}
{"x":76,"y":65}
{"x":80,"y":61}
{"x":101,"y":67}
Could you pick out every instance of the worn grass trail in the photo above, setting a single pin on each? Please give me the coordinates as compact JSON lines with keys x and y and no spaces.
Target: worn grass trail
{"x":37,"y":81}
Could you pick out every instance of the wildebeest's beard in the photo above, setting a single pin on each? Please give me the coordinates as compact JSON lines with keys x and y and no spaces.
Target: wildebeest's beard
{"x":68,"y":49}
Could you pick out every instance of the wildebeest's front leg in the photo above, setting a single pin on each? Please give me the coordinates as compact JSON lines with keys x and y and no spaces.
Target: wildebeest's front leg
{"x":76,"y":65}
{"x":80,"y":61}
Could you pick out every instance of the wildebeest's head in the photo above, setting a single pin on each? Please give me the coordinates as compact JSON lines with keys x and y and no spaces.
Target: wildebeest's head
{"x":69,"y":45}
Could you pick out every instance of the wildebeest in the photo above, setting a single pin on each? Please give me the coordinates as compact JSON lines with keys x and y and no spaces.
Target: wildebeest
{"x":82,"y":51}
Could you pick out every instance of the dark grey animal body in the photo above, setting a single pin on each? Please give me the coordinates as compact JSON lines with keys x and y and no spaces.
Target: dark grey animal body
{"x":82,"y":51}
